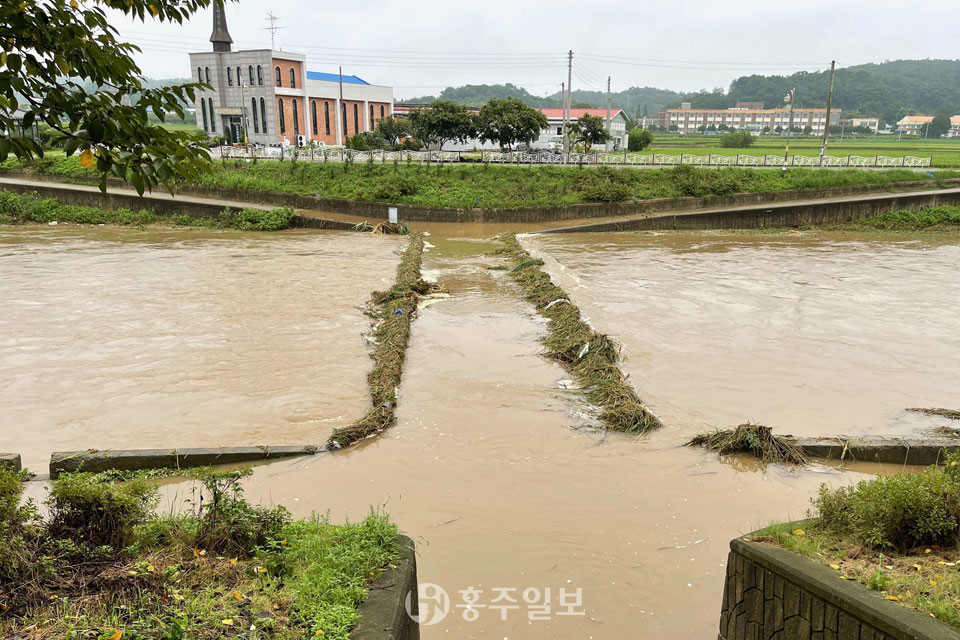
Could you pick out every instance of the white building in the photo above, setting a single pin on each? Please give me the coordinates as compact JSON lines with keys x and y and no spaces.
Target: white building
{"x":552,"y":136}
{"x":917,"y":126}
{"x":688,"y":120}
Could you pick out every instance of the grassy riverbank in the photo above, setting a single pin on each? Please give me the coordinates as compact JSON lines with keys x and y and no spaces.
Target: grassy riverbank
{"x":591,"y":357}
{"x":393,"y":312}
{"x":945,"y":218}
{"x":102,"y":565}
{"x":18,"y":209}
{"x":506,"y":187}
{"x":899,"y":535}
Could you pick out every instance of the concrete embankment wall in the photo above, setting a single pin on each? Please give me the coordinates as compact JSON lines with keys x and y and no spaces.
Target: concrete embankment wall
{"x":161,"y":204}
{"x":409,"y":213}
{"x":771,"y":593}
{"x":383,"y":614}
{"x":779,"y":215}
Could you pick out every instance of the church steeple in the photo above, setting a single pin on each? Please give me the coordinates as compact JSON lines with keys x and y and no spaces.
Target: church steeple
{"x":220,"y":37}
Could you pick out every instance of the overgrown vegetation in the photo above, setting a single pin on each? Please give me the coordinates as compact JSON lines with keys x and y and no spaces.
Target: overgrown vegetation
{"x":898,"y":534}
{"x":393,"y":312}
{"x":753,"y":439}
{"x":950,"y":414}
{"x":591,"y":357}
{"x":19,"y":208}
{"x":506,"y":187}
{"x":103,"y":565}
{"x":941,"y":218}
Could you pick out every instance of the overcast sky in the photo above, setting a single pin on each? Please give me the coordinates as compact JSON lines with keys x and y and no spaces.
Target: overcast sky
{"x":420,"y":47}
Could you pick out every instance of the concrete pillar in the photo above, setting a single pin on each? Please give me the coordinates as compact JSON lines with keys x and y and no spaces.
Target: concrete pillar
{"x":366,"y":115}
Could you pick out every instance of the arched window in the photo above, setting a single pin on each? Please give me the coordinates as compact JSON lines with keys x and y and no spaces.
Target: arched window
{"x":293,"y":79}
{"x":206,"y":72}
{"x":326,"y":117}
{"x":213,"y":118}
{"x":343,"y":118}
{"x":259,"y":75}
{"x":381,"y":111}
{"x":253,"y":107}
{"x":250,"y":73}
{"x":283,"y":123}
{"x":356,"y":118}
{"x":203,"y":107}
{"x":239,"y":77}
{"x":199,"y":74}
{"x":276,"y":72}
{"x":313,"y":115}
{"x":296,"y":118}
{"x":372,"y":123}
{"x":263,"y":114}
{"x":229,"y":76}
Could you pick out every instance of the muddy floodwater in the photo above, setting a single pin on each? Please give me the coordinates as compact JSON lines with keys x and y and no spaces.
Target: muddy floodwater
{"x":125,"y":338}
{"x":154,"y":338}
{"x":810,"y":333}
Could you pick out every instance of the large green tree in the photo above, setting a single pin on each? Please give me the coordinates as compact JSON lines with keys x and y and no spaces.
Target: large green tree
{"x":589,"y":130}
{"x":442,"y":122}
{"x":508,"y":121}
{"x":939,"y":126}
{"x":639,"y":139}
{"x":392,"y":129}
{"x":51,"y":50}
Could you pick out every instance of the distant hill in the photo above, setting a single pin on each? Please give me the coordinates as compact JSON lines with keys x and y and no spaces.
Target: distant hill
{"x":888,"y":90}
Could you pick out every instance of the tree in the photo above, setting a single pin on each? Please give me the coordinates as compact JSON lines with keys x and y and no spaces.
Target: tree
{"x":674,"y":127}
{"x":441,"y":122}
{"x":939,"y":126}
{"x":508,"y":121}
{"x":639,"y":139}
{"x":51,"y":49}
{"x":737,"y":140}
{"x":807,"y":130}
{"x":589,"y":130}
{"x":766,"y":129}
{"x":392,"y":129}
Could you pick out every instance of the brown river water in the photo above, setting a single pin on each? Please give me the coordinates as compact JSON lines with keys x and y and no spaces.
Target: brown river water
{"x":485,"y":467}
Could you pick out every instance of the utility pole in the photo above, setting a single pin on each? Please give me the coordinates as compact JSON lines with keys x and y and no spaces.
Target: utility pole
{"x":826,"y":127}
{"x":566,"y":106}
{"x":607,"y":146}
{"x":790,"y":99}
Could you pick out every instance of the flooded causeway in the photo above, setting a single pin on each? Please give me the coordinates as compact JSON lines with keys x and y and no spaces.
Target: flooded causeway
{"x":167,"y":338}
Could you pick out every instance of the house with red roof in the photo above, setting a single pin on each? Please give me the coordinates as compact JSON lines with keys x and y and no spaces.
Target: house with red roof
{"x":552,"y":136}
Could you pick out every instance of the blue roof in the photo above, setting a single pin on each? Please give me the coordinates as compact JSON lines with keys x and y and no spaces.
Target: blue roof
{"x":334,"y":77}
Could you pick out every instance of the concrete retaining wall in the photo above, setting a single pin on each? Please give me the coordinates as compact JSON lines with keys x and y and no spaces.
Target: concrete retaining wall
{"x":138,"y":459}
{"x":892,"y":450}
{"x":161,"y":204}
{"x":383,"y":615}
{"x":779,"y":215}
{"x":409,"y":213}
{"x":774,"y":594}
{"x":12,"y":459}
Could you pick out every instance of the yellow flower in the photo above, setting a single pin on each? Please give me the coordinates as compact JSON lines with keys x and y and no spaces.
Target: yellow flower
{"x":151,"y":568}
{"x":835,"y":566}
{"x":227,"y":622}
{"x":933,"y":583}
{"x":798,"y":532}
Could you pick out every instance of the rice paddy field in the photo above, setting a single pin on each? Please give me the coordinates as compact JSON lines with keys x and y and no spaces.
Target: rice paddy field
{"x":943,"y":152}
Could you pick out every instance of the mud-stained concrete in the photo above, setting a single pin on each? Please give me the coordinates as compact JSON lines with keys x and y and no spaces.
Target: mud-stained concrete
{"x":118,"y":338}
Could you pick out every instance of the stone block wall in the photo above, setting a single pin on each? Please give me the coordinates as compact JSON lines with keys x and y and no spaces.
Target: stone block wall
{"x":775,"y":594}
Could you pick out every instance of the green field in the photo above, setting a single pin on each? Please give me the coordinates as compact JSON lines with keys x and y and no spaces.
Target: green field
{"x":505,"y":187}
{"x":944,"y":152}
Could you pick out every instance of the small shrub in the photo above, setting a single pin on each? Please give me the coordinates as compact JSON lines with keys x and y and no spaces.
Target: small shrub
{"x":898,"y":512}
{"x":96,"y":514}
{"x":228,"y":523}
{"x":17,"y":528}
{"x":249,"y":219}
{"x":602,"y":184}
{"x":394,"y":187}
{"x":639,"y":139}
{"x":737,"y":140}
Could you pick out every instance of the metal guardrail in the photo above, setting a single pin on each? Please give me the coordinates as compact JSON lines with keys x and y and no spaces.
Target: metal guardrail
{"x":314,"y":154}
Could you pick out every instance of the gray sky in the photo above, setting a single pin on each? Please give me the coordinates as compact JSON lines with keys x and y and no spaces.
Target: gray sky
{"x":419,"y":47}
